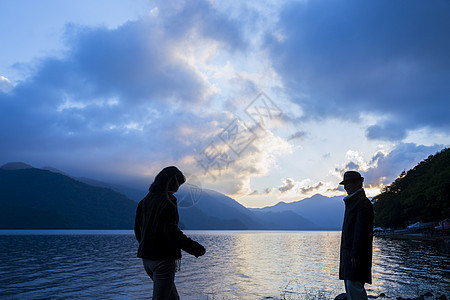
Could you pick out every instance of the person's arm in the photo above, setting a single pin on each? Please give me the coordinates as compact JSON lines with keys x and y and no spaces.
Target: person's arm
{"x":177,"y":237}
{"x":362,"y":231}
{"x":138,"y":222}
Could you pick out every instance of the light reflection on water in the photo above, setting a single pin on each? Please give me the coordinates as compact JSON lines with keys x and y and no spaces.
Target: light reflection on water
{"x":237,"y":265}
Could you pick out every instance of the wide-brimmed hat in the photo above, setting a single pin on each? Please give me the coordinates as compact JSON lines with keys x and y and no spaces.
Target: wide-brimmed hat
{"x":351,"y":176}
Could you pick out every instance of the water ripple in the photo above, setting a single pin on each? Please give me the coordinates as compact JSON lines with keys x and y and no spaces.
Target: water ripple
{"x":238,"y":264}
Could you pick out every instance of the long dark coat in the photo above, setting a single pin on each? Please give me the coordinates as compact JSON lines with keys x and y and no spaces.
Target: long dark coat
{"x":156,"y":223}
{"x":356,"y":238}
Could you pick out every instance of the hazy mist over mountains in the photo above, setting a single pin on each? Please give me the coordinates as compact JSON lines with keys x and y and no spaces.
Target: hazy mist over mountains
{"x":47,"y":198}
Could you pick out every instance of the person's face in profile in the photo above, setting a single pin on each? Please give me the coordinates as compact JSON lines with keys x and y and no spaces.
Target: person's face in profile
{"x":174,"y":185}
{"x":352,"y":186}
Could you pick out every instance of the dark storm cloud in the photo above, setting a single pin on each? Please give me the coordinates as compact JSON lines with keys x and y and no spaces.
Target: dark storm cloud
{"x":288,"y":185}
{"x":132,"y":62}
{"x":265,"y":191}
{"x":384,"y":168}
{"x":391,"y":131}
{"x":309,"y":189}
{"x":299,"y":135}
{"x":119,"y":93}
{"x":209,"y":22}
{"x":404,"y":157}
{"x":389,"y":58}
{"x":351,"y":166}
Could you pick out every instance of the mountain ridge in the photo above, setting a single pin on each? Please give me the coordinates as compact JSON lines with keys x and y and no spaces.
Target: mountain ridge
{"x":74,"y":204}
{"x":211,"y":210}
{"x":324,"y":212}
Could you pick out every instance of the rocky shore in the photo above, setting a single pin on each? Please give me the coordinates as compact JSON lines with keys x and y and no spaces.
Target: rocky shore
{"x":426,"y":296}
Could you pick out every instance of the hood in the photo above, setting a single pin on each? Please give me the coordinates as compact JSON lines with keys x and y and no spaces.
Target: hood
{"x":165,"y":177}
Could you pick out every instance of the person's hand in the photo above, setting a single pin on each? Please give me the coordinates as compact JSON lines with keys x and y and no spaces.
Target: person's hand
{"x":355,"y":262}
{"x":200,"y":251}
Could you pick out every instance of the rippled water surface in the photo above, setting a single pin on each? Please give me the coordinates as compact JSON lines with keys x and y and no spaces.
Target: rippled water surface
{"x":238,"y":265}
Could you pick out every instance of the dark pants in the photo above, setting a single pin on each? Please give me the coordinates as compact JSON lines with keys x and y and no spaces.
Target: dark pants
{"x":355,"y":290}
{"x":162,"y":272}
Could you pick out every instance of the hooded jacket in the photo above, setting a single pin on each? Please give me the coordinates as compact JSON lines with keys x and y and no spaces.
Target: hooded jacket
{"x":156,"y":223}
{"x":356,"y":238}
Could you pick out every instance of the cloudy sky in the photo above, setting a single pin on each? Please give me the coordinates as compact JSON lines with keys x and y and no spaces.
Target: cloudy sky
{"x":264,"y":101}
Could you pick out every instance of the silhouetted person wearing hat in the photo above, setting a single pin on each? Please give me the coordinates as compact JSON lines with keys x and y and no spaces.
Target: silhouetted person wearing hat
{"x":356,"y":239}
{"x":160,"y":239}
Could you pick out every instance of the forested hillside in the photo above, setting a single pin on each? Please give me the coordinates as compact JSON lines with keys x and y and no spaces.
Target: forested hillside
{"x":39,"y":199}
{"x":34,"y":198}
{"x":418,"y":195}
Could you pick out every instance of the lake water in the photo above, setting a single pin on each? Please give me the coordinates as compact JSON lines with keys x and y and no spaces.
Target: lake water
{"x":238,"y":265}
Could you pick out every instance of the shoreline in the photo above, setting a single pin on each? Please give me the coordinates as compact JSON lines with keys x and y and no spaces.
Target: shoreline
{"x":440,"y":237}
{"x":440,"y":241}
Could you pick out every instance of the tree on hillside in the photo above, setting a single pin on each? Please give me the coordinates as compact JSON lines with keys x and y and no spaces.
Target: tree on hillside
{"x":419,"y":195}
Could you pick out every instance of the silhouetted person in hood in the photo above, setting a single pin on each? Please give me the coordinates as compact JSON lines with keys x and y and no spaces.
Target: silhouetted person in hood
{"x":160,"y":239}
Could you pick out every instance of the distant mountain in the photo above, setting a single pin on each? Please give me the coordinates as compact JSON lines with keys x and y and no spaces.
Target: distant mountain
{"x":49,"y":198}
{"x":323,"y":212}
{"x":213,"y":210}
{"x":33,"y":198}
{"x":54,"y":170}
{"x":15,"y":166}
{"x":285,"y":220}
{"x":194,"y":218}
{"x":133,"y":194}
{"x":219,"y":206}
